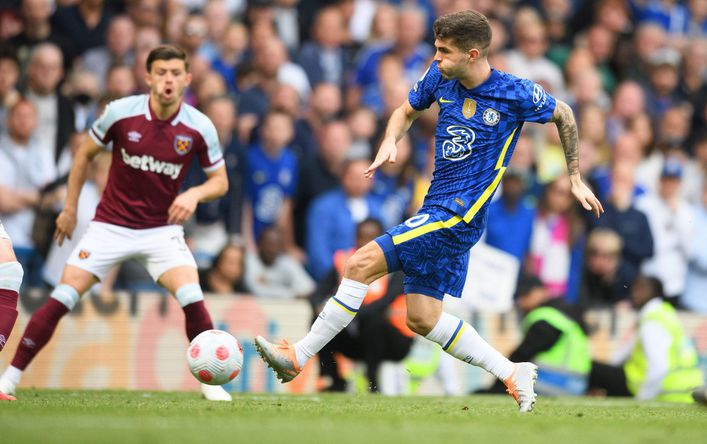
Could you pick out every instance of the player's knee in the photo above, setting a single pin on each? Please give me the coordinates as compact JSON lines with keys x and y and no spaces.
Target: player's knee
{"x":419,"y":323}
{"x":66,"y":294}
{"x":188,"y":294}
{"x":11,"y":274}
{"x":361,"y":267}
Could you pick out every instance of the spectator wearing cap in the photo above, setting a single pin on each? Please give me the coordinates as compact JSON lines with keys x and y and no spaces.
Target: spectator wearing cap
{"x":671,"y":219}
{"x":554,"y":338}
{"x":332,"y":217}
{"x":664,"y":82}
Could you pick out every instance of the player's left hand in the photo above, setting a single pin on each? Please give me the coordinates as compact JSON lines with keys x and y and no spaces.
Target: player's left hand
{"x":585,"y":197}
{"x":386,"y":153}
{"x":182,"y":208}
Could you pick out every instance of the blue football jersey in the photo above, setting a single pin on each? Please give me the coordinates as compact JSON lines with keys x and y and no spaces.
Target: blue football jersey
{"x":476,"y":134}
{"x":268,"y":183}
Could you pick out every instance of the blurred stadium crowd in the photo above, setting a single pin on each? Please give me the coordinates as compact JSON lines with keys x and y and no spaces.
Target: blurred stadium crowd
{"x":300,"y":92}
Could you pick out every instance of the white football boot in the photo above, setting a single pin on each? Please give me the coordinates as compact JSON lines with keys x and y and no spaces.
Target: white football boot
{"x":7,"y":387}
{"x":521,"y":385}
{"x":215,"y":393}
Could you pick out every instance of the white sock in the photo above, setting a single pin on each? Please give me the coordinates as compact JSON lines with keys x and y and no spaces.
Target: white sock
{"x":461,"y":340}
{"x":336,"y":315}
{"x":13,"y":374}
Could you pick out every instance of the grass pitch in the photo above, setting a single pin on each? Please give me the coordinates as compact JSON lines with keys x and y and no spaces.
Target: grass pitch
{"x":53,"y":416}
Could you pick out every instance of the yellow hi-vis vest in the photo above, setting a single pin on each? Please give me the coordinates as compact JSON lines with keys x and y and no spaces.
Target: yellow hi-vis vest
{"x":683,"y":376}
{"x":564,"y":368}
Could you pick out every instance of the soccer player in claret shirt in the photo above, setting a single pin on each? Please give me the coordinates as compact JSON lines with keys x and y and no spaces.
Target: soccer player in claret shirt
{"x":154,"y":139}
{"x":10,"y":280}
{"x":481,"y":114}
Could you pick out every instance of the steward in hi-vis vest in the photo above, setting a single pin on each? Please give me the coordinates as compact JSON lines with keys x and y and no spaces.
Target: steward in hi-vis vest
{"x":662,"y":364}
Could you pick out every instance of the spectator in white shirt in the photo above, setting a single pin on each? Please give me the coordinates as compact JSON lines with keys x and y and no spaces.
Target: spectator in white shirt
{"x":23,"y":174}
{"x":671,"y":219}
{"x":270,"y":272}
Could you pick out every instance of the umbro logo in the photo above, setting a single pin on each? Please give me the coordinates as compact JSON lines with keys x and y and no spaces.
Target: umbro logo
{"x":27,"y":342}
{"x":443,"y":100}
{"x":134,"y":136}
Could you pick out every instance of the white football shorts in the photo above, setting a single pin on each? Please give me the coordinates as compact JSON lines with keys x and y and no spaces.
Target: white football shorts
{"x":157,"y":249}
{"x":3,"y":233}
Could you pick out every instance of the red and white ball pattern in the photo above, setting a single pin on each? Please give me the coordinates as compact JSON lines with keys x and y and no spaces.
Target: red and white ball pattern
{"x":215,"y":357}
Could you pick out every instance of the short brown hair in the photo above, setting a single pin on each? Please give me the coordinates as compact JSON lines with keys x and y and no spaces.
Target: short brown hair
{"x":166,"y":52}
{"x":466,"y":29}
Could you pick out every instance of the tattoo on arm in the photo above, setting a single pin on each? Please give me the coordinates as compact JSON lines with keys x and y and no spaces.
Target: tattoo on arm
{"x":566,"y":125}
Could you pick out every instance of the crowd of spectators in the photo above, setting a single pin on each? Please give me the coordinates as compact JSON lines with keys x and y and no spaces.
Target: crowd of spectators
{"x":300,"y":92}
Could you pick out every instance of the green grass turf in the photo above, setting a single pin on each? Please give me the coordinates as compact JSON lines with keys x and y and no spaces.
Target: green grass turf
{"x":48,"y":416}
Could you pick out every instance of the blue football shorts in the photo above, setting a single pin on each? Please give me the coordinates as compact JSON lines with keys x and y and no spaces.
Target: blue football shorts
{"x":432,"y":249}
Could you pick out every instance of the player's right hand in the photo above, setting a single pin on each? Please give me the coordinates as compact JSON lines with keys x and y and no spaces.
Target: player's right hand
{"x":65,"y":225}
{"x":386,"y":153}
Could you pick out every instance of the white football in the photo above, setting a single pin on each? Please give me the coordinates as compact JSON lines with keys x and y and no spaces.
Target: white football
{"x":215,"y":357}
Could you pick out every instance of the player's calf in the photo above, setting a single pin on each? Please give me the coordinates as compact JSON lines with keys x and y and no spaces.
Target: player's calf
{"x":196,"y":317}
{"x":11,"y":274}
{"x":38,"y":332}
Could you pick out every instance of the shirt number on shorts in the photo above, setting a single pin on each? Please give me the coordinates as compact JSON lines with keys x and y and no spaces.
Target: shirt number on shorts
{"x":416,"y":221}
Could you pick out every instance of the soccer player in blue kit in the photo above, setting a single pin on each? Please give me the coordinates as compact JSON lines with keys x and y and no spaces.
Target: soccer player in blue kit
{"x":481,"y":114}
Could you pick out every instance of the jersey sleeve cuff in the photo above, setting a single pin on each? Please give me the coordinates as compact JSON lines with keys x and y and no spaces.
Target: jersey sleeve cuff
{"x":215,"y":166}
{"x":95,"y":138}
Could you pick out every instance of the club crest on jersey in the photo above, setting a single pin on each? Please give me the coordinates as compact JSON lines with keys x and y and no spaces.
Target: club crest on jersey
{"x":491,"y":117}
{"x":469,"y":108}
{"x":84,"y":254}
{"x":459,"y":146}
{"x":182,"y":144}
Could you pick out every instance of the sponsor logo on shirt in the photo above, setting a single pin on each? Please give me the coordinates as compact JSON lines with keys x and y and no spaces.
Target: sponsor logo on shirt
{"x":149,"y":163}
{"x":539,"y":97}
{"x":134,"y":136}
{"x":459,"y":146}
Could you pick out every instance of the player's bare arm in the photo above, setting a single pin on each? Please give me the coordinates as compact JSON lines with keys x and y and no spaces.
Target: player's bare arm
{"x":66,"y":221}
{"x":398,"y":124}
{"x":567,"y":126}
{"x":185,"y":204}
